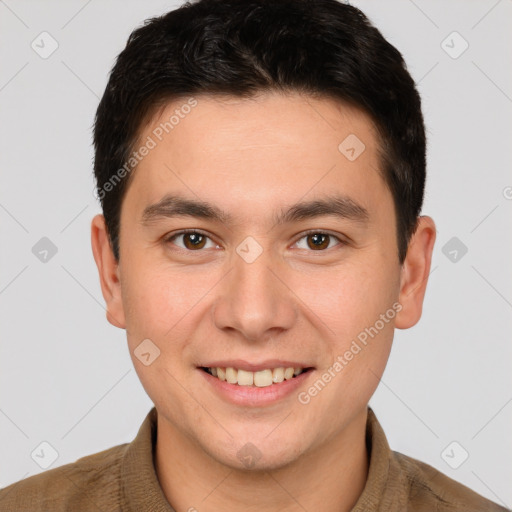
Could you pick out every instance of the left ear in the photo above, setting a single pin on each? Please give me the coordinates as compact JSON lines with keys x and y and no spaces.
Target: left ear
{"x":415,"y":273}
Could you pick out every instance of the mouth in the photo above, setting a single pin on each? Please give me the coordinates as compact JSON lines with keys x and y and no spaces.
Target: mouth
{"x":262,"y":378}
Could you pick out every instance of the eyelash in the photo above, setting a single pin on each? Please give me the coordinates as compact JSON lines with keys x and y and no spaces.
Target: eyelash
{"x":171,"y":237}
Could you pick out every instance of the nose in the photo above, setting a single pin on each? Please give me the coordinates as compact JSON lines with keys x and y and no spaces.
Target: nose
{"x":254,"y":299}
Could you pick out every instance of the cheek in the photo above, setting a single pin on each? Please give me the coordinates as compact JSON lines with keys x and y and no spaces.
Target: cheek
{"x":350,"y":307}
{"x":350,"y":298}
{"x":359,"y":340}
{"x":140,"y":300}
{"x":163,"y":303}
{"x":150,"y":300}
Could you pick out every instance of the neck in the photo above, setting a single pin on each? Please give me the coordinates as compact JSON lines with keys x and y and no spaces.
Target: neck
{"x":332,"y":476}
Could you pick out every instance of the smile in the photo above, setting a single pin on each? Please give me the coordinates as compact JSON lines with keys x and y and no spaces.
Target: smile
{"x":261,"y":378}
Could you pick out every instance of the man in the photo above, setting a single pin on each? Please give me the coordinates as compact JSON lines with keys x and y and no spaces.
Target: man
{"x":261,"y":168}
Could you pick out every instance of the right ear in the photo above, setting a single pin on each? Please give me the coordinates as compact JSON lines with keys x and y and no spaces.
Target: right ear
{"x":108,"y":269}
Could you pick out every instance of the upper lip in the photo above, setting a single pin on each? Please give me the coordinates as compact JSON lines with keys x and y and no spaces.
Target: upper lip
{"x":241,"y":364}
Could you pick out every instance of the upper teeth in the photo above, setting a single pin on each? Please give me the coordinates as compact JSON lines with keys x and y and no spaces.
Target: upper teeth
{"x":261,"y":378}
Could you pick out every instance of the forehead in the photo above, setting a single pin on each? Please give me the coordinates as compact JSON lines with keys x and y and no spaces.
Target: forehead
{"x":270,"y":118}
{"x":272,"y":148}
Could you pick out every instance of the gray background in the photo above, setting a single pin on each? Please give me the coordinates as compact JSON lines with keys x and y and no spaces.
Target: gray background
{"x":65,"y":373}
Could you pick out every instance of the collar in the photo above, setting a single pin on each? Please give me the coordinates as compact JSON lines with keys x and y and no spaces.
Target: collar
{"x":139,"y":480}
{"x":385,"y":483}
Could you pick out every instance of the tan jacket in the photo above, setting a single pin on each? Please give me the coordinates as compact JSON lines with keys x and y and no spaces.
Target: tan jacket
{"x":123,"y":478}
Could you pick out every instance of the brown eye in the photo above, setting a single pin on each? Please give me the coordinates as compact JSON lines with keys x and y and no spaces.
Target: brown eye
{"x":318,"y":241}
{"x":194,"y":240}
{"x":190,"y":240}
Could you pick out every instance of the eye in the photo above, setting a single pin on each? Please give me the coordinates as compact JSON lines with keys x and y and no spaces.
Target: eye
{"x":192,"y":240}
{"x":319,"y":241}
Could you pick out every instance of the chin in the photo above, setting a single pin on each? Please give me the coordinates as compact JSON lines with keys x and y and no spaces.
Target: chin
{"x":255,"y":456}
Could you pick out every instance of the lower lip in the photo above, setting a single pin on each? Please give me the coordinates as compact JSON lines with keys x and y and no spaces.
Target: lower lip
{"x":253,"y":395}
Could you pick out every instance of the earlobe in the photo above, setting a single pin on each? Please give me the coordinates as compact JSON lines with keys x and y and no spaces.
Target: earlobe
{"x":108,"y":270}
{"x":415,"y":273}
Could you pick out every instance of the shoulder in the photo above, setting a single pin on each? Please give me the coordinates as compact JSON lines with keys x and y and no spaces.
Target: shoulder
{"x":429,"y":490}
{"x":90,"y":483}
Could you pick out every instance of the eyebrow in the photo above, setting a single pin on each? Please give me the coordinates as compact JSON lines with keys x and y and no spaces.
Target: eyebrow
{"x":171,"y":206}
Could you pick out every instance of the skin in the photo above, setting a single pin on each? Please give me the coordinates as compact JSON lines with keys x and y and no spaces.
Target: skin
{"x":253,"y":157}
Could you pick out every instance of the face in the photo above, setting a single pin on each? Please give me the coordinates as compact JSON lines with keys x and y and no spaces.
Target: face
{"x":289,"y":258}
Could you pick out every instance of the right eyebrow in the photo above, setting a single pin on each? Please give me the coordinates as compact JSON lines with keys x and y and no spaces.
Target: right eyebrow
{"x":175,"y":206}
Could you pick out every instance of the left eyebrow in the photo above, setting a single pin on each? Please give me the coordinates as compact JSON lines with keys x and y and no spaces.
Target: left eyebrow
{"x":334,"y":205}
{"x":340,"y":206}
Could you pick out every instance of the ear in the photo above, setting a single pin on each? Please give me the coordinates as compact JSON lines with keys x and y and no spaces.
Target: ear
{"x":108,"y":269}
{"x":415,"y":273}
